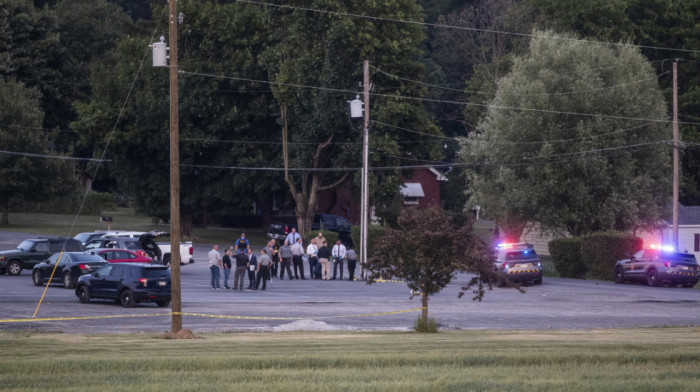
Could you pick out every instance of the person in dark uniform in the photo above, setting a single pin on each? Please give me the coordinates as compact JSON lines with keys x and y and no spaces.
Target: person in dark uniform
{"x":252,"y":266}
{"x":263,"y":270}
{"x":352,"y":263}
{"x":226,"y":261}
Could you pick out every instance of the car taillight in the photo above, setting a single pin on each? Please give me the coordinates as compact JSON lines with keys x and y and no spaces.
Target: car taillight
{"x":505,"y":265}
{"x":539,"y":263}
{"x":191,"y":251}
{"x":667,"y":264}
{"x":144,"y":282}
{"x":142,"y":253}
{"x":84,"y":267}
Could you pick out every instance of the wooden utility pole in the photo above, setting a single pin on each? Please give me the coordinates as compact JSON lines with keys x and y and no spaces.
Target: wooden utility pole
{"x":174,"y":175}
{"x":364,"y":221}
{"x":676,"y":146}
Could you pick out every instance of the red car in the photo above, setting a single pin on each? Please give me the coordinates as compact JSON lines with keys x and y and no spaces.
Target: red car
{"x":120,"y":256}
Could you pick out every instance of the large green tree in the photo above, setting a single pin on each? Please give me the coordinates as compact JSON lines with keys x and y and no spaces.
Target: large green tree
{"x":324,"y":52}
{"x":576,"y":138}
{"x":661,"y":27}
{"x":222,"y":117}
{"x":27,"y":170}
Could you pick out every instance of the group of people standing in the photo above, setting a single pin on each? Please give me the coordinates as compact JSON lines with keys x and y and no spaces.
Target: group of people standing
{"x":274,"y":258}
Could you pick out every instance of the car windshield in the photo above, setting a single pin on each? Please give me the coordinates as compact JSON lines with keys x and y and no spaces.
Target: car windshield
{"x":82,"y":237}
{"x":26,"y":245}
{"x":521,"y":255}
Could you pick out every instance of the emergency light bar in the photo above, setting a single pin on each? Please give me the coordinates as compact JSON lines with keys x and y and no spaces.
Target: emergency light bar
{"x":665,"y":248}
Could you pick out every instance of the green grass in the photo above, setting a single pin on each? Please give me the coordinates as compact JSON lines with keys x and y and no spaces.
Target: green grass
{"x":123,"y":219}
{"x":658,"y":359}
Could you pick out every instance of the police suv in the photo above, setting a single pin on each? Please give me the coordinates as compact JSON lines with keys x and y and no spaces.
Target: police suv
{"x":517,"y":262}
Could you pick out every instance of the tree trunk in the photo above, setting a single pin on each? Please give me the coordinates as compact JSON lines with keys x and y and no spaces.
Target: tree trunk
{"x":305,"y":196}
{"x":424,"y":313}
{"x":5,"y":213}
{"x":186,"y":226}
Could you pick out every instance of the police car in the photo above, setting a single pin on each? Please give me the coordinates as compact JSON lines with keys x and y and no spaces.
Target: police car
{"x":659,"y":264}
{"x":517,"y":262}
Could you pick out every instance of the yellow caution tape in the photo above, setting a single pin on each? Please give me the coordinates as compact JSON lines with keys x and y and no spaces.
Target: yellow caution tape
{"x":25,"y":320}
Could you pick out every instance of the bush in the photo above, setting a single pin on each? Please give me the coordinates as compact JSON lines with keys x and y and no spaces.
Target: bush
{"x":420,"y":326}
{"x":374,"y":232}
{"x":566,"y":257}
{"x":600,"y":251}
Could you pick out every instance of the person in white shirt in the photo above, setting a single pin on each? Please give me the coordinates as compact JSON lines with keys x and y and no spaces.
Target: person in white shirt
{"x":293,"y":236}
{"x":297,"y":253}
{"x":312,"y":255}
{"x":338,"y":252}
{"x":215,"y":265}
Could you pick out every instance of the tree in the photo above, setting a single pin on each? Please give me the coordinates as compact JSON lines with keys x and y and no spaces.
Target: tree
{"x":427,"y":250}
{"x":576,"y":138}
{"x":327,"y":50}
{"x":24,"y":176}
{"x":223,"y":121}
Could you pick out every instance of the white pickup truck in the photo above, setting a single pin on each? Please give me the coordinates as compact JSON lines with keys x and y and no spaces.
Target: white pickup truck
{"x":186,"y":252}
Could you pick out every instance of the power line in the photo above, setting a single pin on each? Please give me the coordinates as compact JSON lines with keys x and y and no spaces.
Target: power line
{"x":462,"y":103}
{"x":474,"y":29}
{"x":523,"y":95}
{"x":47,"y":156}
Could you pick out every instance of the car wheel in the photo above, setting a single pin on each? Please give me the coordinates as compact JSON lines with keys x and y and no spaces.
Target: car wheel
{"x":84,"y":294}
{"x":502,"y":282}
{"x":619,"y":275}
{"x":14,"y":268}
{"x":67,"y":280}
{"x":37,"y":279}
{"x":126,"y":298}
{"x":652,"y":278}
{"x":162,"y":304}
{"x":538,"y":280}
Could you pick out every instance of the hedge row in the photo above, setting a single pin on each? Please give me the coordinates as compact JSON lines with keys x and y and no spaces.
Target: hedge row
{"x":592,"y":256}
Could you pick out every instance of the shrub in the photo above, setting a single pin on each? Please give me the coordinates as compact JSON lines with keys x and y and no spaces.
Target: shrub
{"x":374,"y":232}
{"x":566,"y":257}
{"x":421,"y":326}
{"x":600,"y":251}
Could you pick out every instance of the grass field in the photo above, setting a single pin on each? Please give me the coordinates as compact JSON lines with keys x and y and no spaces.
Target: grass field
{"x":659,"y":359}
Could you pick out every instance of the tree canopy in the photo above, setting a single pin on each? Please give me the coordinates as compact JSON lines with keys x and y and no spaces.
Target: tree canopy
{"x":577,"y":138}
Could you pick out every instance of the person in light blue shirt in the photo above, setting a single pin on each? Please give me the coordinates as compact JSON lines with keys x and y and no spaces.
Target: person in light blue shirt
{"x":292,"y":237}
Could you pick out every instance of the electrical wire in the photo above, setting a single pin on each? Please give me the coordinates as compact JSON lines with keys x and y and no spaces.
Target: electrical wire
{"x":525,"y":95}
{"x":47,"y":156}
{"x":445,"y":26}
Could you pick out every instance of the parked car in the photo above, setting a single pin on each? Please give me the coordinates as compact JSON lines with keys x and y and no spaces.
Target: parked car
{"x":126,"y":283}
{"x":71,"y":266}
{"x":143,"y":245}
{"x":656,"y":265}
{"x":517,"y":262}
{"x":334,"y":223}
{"x":120,"y":255}
{"x":33,"y":251}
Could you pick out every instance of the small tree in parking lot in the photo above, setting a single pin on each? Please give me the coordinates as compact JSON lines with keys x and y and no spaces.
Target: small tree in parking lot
{"x":427,"y":251}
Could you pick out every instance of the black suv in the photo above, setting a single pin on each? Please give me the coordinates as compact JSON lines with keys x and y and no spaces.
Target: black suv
{"x":656,"y":265}
{"x":127,"y":283}
{"x":71,"y":266}
{"x":334,"y":223}
{"x":32,"y":252}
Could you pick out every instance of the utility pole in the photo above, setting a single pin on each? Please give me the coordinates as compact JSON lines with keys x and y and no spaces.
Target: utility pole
{"x":364,"y":221}
{"x":676,"y":146}
{"x":174,"y":174}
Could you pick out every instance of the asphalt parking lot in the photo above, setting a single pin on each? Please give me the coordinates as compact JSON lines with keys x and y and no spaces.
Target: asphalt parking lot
{"x":342,"y":305}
